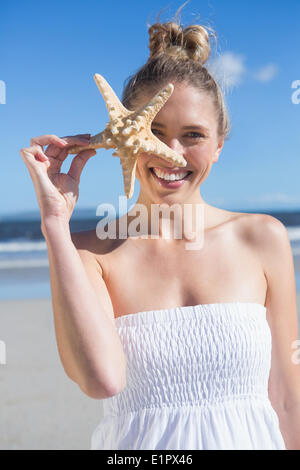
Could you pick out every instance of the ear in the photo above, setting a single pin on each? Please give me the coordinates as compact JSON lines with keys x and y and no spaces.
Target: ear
{"x":218,"y":149}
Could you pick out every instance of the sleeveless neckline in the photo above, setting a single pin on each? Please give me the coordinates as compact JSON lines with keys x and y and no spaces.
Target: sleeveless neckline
{"x":188,"y":312}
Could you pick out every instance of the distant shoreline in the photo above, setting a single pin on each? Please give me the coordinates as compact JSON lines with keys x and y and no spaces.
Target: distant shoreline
{"x":24,"y":266}
{"x":90,"y":213}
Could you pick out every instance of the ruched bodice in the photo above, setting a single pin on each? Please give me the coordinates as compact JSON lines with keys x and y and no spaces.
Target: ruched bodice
{"x":197,"y":378}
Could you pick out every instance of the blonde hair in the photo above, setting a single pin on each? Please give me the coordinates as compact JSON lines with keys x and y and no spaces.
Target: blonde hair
{"x":178,"y":54}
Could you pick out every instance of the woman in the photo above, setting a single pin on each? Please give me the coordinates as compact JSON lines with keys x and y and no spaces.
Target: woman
{"x":176,"y":342}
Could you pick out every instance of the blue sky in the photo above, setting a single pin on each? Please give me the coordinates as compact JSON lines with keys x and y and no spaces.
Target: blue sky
{"x":50,"y":50}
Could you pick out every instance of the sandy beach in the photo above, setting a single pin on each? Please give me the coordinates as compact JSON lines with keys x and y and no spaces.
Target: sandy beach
{"x":41,"y":408}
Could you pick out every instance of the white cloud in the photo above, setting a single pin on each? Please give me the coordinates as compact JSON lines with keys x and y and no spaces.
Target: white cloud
{"x":228,"y":69}
{"x":266,"y":73}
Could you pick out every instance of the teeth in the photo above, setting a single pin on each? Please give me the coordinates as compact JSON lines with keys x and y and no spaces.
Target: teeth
{"x":170,"y":176}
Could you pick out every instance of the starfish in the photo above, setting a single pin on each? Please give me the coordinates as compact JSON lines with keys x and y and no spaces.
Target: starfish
{"x":129,"y":132}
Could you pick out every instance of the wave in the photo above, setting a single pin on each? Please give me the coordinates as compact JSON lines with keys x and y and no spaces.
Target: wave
{"x":23,"y":244}
{"x":294,"y":233}
{"x":19,"y":246}
{"x":35,"y":252}
{"x":24,"y":263}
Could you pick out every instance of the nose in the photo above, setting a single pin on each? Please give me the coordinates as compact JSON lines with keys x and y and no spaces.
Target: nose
{"x":170,"y":165}
{"x":175,"y":145}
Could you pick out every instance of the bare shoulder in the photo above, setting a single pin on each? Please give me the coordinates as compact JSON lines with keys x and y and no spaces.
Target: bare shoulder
{"x":85,"y":243}
{"x":268,"y":237}
{"x":262,"y":230}
{"x":91,"y":247}
{"x":82,"y":240}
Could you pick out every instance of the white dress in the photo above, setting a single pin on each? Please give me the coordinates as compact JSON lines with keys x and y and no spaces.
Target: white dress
{"x":197,"y":378}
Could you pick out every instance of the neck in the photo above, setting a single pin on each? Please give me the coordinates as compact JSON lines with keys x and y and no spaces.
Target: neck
{"x":170,"y":219}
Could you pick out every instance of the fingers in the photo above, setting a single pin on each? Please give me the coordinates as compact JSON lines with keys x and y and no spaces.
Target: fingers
{"x":79,"y":139}
{"x":53,"y":150}
{"x":35,"y":170}
{"x":29,"y":154}
{"x":57,"y":161}
{"x":57,"y":151}
{"x":48,"y":139}
{"x":37,"y":143}
{"x":78,"y":163}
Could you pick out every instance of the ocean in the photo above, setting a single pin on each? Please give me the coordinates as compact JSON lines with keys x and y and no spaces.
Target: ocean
{"x":24,"y":268}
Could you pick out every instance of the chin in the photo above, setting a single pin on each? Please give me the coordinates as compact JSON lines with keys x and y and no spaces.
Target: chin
{"x":168,"y":199}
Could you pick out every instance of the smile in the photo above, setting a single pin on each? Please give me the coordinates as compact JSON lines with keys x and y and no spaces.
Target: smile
{"x":170,"y":178}
{"x":170,"y":175}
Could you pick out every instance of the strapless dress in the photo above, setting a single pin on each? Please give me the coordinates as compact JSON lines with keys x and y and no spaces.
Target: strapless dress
{"x":197,"y":379}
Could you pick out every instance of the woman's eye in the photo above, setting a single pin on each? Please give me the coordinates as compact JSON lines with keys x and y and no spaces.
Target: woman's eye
{"x":155,"y":131}
{"x":192,"y":135}
{"x":195,"y":135}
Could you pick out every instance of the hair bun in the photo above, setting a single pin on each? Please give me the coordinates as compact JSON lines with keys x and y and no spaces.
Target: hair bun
{"x":190,"y":43}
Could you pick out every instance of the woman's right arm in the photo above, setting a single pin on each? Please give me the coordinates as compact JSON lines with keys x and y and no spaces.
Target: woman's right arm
{"x":89,"y":346}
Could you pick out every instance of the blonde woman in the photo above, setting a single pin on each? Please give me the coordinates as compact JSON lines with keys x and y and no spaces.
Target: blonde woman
{"x":187,"y":349}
